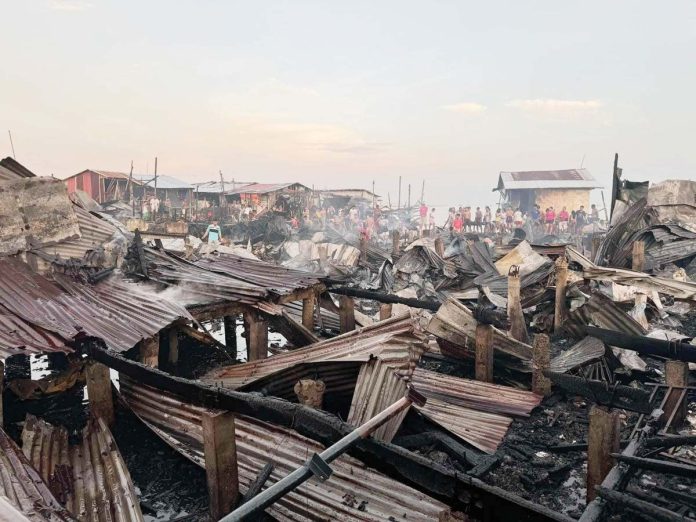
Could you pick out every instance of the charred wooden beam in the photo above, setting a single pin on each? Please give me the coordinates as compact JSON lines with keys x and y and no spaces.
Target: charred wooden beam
{"x":600,"y":392}
{"x":624,"y":501}
{"x":602,"y":442}
{"x":673,"y":468}
{"x":220,"y":453}
{"x":677,"y":377}
{"x":140,"y":252}
{"x":645,"y":345}
{"x":670,"y":442}
{"x":257,"y":484}
{"x":385,"y":298}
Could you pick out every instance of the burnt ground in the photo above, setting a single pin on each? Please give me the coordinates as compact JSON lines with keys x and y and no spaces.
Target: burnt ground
{"x":170,"y":487}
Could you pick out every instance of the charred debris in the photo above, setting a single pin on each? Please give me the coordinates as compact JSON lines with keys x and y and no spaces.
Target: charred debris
{"x":313,"y":374}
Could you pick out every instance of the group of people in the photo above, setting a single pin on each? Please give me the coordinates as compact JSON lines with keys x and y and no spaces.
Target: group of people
{"x":548,"y":221}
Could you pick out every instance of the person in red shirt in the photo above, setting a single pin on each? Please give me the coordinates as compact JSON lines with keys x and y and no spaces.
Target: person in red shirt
{"x":423,"y":216}
{"x":563,"y":218}
{"x":457,"y":224}
{"x":550,"y":219}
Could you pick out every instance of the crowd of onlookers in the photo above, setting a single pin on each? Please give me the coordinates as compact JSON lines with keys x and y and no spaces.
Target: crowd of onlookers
{"x":504,"y":220}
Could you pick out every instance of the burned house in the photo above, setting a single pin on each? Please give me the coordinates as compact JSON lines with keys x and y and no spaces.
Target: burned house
{"x":547,"y":188}
{"x":285,"y":197}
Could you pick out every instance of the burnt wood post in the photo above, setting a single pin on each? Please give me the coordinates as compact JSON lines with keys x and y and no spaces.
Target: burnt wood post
{"x":638,"y":258}
{"x":484,"y":353}
{"x":518,"y":328}
{"x":101,"y":402}
{"x":230,"y":326}
{"x":541,"y":384}
{"x":439,"y":246}
{"x":395,"y":242}
{"x":173,"y":347}
{"x":560,"y":311}
{"x":149,"y":351}
{"x":603,"y":439}
{"x":346,"y":313}
{"x":385,"y":311}
{"x":220,"y":449}
{"x":257,"y":336}
{"x":308,"y":312}
{"x":676,"y":375}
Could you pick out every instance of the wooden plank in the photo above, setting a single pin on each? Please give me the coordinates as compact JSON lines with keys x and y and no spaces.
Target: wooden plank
{"x":220,"y":451}
{"x":257,"y":336}
{"x":308,"y":312}
{"x":638,"y":256}
{"x":385,"y":311}
{"x":346,"y":313}
{"x":560,"y":309}
{"x":677,"y":377}
{"x":540,"y":362}
{"x":603,"y":439}
{"x":484,"y":353}
{"x":518,"y":328}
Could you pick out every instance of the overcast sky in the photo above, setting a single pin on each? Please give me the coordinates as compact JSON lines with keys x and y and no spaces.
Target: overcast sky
{"x":338,"y":94}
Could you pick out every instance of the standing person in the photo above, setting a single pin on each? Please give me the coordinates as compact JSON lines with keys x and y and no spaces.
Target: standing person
{"x":423,"y":210}
{"x":213,"y":233}
{"x":431,"y":220}
{"x":550,"y":218}
{"x":457,"y":224}
{"x":519,"y":219}
{"x":450,"y":219}
{"x":594,"y":214}
{"x":563,"y":218}
{"x":499,"y":221}
{"x":478,"y":219}
{"x":466,"y":217}
{"x":509,"y":219}
{"x":487,"y":220}
{"x":580,"y":219}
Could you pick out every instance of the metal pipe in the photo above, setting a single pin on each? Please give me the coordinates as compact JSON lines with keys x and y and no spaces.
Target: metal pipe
{"x":300,"y":475}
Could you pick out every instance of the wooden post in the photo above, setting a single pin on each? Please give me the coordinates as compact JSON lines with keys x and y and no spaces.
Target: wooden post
{"x":561,"y":310}
{"x":385,"y":311}
{"x":346,"y":312}
{"x":2,"y":393}
{"x":677,"y":375}
{"x":149,"y":351}
{"x":540,"y":362}
{"x":220,"y":449}
{"x":518,"y":328}
{"x":257,"y":336}
{"x":101,"y":402}
{"x":602,"y":440}
{"x":230,"y":326}
{"x":173,"y":347}
{"x":308,"y":312}
{"x":484,"y":353}
{"x":439,"y":246}
{"x":395,"y":242}
{"x":638,"y":261}
{"x":596,"y":241}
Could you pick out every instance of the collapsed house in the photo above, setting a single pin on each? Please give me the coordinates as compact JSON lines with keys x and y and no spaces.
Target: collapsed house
{"x":447,"y":378}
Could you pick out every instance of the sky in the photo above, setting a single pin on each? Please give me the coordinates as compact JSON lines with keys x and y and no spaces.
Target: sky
{"x":343,"y":94}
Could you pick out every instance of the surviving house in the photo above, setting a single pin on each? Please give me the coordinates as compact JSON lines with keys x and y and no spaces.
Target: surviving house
{"x":281,"y":196}
{"x":102,"y":185}
{"x":546,"y":188}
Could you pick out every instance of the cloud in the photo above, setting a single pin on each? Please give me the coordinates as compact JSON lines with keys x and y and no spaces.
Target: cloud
{"x":465,"y":108}
{"x":69,"y":5}
{"x":551,"y":105}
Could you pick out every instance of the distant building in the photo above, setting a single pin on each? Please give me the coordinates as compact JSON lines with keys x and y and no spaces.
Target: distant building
{"x":101,"y":185}
{"x":282,"y":196}
{"x":339,"y":198}
{"x":546,"y":188}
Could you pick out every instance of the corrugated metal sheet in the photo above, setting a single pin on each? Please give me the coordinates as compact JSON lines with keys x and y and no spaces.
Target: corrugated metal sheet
{"x":24,"y":489}
{"x":11,"y":170}
{"x":394,"y":341}
{"x":477,"y":412}
{"x":354,"y":492}
{"x":589,"y":349}
{"x":378,"y":386}
{"x":95,"y":233}
{"x":275,"y":279}
{"x":90,"y":477}
{"x":118,"y":312}
{"x":20,"y":337}
{"x":543,"y":179}
{"x":215,"y":187}
{"x":35,"y":211}
{"x":600,"y":310}
{"x":264,"y":188}
{"x":199,"y":285}
{"x":165,"y":182}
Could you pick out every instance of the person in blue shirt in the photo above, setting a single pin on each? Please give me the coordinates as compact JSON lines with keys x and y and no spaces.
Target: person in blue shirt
{"x":213,"y":233}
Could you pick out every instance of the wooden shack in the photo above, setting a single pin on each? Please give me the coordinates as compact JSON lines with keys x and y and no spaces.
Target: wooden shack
{"x":547,"y":188}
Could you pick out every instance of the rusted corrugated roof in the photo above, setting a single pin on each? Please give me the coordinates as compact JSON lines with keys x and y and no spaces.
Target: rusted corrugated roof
{"x":90,"y":477}
{"x":118,"y":312}
{"x":394,"y":341}
{"x":18,"y":336}
{"x":10,"y":170}
{"x":353,"y":492}
{"x":24,"y":489}
{"x":275,"y":279}
{"x":263,"y":188}
{"x":478,"y":412}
